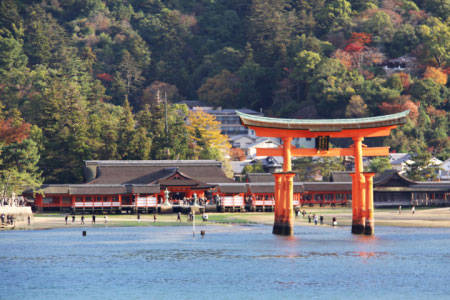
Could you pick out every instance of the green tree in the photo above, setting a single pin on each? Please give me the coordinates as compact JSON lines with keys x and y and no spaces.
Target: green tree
{"x":429,"y":92}
{"x":305,"y":62}
{"x":126,"y":133}
{"x":380,"y":164}
{"x":435,"y":41}
{"x":420,"y":169}
{"x":44,"y":39}
{"x":335,"y":16}
{"x":253,"y":168}
{"x":440,"y":8}
{"x":356,"y":107}
{"x":271,"y":24}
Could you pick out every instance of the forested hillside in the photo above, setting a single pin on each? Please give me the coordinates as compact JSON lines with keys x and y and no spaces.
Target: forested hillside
{"x":87,"y":79}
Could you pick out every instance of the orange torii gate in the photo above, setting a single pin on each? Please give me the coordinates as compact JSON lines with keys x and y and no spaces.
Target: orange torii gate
{"x":322,"y":131}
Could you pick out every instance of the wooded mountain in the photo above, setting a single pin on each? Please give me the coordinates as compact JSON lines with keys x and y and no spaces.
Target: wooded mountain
{"x":91,"y":76}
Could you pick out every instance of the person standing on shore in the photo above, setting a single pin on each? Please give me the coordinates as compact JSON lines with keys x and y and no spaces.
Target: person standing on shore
{"x":315,"y":219}
{"x":29,"y":220}
{"x":334,"y":221}
{"x":400,"y":210}
{"x":139,"y":217}
{"x":154,"y":218}
{"x":321,"y":220}
{"x":82,"y":219}
{"x":179,"y":216}
{"x":66,"y":218}
{"x":73,"y":219}
{"x":93,"y":219}
{"x":106,"y":219}
{"x":413,"y":209}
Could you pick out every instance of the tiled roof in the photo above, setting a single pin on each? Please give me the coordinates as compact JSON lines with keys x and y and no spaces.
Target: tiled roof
{"x":343,"y":176}
{"x":323,"y":125}
{"x":233,"y":188}
{"x":145,"y":172}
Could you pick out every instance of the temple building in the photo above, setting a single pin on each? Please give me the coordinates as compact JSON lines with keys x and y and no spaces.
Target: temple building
{"x":140,"y":186}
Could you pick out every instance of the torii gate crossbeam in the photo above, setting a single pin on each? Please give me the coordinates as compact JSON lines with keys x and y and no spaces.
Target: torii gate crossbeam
{"x":356,"y":129}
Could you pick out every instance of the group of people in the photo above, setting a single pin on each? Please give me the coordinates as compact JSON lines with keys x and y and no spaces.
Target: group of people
{"x":9,"y":219}
{"x":314,"y":218}
{"x":66,"y":219}
{"x":191,"y":201}
{"x":17,"y":202}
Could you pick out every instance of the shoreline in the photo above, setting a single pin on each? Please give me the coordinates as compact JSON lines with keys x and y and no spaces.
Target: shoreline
{"x":423,"y":217}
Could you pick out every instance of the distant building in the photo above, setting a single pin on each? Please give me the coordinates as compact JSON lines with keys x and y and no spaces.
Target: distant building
{"x":399,"y":161}
{"x":444,"y":171}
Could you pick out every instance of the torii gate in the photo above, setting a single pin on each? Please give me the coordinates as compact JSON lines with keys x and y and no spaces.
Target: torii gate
{"x":322,"y":131}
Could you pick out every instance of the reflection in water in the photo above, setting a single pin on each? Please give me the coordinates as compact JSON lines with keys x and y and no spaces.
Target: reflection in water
{"x":229,"y":263}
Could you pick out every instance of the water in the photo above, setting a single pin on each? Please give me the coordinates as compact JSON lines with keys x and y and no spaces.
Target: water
{"x":236,"y":262}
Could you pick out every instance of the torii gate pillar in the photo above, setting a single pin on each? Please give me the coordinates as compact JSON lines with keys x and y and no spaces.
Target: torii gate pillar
{"x":284,"y":192}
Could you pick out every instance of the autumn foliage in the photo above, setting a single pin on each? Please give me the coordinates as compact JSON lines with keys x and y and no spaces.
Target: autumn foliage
{"x":404,"y":104}
{"x":357,"y":42}
{"x":405,"y":79}
{"x":105,"y":77}
{"x":11,"y":133}
{"x":237,"y":154}
{"x":437,"y":75}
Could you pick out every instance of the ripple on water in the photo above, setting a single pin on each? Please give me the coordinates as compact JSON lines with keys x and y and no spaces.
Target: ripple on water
{"x":229,"y":263}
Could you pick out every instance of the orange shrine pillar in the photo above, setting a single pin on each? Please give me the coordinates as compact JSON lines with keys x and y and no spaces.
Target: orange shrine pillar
{"x":358,"y":189}
{"x":370,"y":220}
{"x":278,"y":189}
{"x":284,"y":189}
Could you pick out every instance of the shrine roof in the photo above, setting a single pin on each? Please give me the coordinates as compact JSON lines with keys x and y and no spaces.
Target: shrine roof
{"x":323,"y":124}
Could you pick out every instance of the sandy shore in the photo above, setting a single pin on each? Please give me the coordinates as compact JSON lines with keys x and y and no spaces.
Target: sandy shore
{"x":434,"y":217}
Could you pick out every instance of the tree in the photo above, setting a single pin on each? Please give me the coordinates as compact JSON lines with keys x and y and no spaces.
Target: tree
{"x":405,"y":40}
{"x":428,"y":92}
{"x":420,"y":169}
{"x":380,"y":25}
{"x":44,"y":39}
{"x":157,"y":91}
{"x":271,"y":24}
{"x":379,"y":164}
{"x":129,"y":76}
{"x":335,"y":16}
{"x":435,"y":41}
{"x":10,"y":18}
{"x":220,"y":90}
{"x":305,"y":64}
{"x":331,"y":87}
{"x":436,"y":75}
{"x":13,"y":131}
{"x":356,"y":108}
{"x":440,"y":8}
{"x":204,"y":134}
{"x":309,"y":168}
{"x":253,"y":168}
{"x":250,"y":75}
{"x":327,"y":165}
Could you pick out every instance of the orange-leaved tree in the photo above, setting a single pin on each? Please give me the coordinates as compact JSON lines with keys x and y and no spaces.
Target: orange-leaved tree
{"x":435,"y":74}
{"x":11,"y":132}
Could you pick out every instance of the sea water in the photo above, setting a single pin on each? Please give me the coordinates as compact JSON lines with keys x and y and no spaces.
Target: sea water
{"x":229,"y":262}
